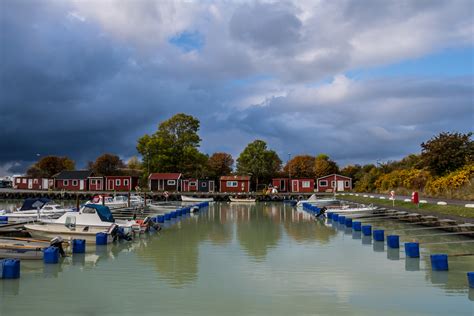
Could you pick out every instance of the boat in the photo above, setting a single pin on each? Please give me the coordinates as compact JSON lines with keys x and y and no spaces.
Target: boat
{"x":112,"y":202}
{"x":85,"y":224}
{"x":34,"y":209}
{"x":313,"y":200}
{"x":186,"y":198}
{"x":247,"y":200}
{"x":26,"y":248}
{"x":137,"y":200}
{"x":350,"y":209}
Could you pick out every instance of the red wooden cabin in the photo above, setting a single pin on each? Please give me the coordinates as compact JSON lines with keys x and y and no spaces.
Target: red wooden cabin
{"x":334,"y":181}
{"x":121,"y":183}
{"x":29,"y":183}
{"x":297,"y":185}
{"x":235,"y":184}
{"x":96,"y":183}
{"x":77,"y":180}
{"x":164,"y":181}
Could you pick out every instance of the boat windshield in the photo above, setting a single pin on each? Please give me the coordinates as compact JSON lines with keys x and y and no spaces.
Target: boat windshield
{"x":88,"y":210}
{"x":70,"y":222}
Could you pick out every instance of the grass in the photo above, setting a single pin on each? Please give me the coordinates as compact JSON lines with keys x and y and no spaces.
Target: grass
{"x":455,"y":210}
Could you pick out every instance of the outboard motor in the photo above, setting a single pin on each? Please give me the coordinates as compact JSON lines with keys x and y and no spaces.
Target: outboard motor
{"x":322,"y":212}
{"x":154,"y":225}
{"x":57,"y":242}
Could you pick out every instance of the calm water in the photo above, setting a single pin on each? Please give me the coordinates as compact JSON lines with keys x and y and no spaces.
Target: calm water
{"x":267,"y":259}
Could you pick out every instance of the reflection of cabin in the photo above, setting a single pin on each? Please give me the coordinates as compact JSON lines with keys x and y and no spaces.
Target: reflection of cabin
{"x":120,"y":183}
{"x":298,"y":185}
{"x":164,"y":181}
{"x":197,"y":185}
{"x":30,"y":183}
{"x":74,"y":180}
{"x":235,"y":184}
{"x":330,"y":182}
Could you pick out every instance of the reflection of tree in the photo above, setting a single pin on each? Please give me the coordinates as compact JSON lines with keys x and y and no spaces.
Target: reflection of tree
{"x":175,"y":251}
{"x":306,"y":229}
{"x":257,"y":234}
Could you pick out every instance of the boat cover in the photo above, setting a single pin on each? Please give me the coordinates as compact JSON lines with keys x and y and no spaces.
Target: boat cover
{"x":34,"y":203}
{"x":103,"y":212}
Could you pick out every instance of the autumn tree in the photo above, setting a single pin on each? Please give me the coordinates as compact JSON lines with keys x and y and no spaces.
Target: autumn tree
{"x":351,"y":171}
{"x":447,"y":152}
{"x":50,"y":165}
{"x":258,"y":161}
{"x":220,"y":164}
{"x":108,"y":165}
{"x":300,"y":167}
{"x":174,"y":147}
{"x":134,"y":163}
{"x":324,"y":166}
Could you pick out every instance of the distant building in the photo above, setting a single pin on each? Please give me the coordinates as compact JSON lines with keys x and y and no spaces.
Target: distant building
{"x":30,"y":183}
{"x":74,"y":180}
{"x":197,"y":185}
{"x":121,"y":183}
{"x":333,"y":182}
{"x":294,"y":185}
{"x":164,"y":181}
{"x":235,"y":184}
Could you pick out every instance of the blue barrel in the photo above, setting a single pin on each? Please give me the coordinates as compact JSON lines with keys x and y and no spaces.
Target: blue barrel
{"x":101,"y":239}
{"x":161,"y":219}
{"x":348,"y":222}
{"x":357,"y":226}
{"x":470,"y":279}
{"x":51,"y":255}
{"x":379,"y":235}
{"x":3,"y":218}
{"x":188,"y":210}
{"x":439,"y":262}
{"x":367,"y":230}
{"x":412,"y":249}
{"x":167,"y":216}
{"x":342,"y":219}
{"x":329,"y":215}
{"x":393,"y":241}
{"x":173,"y":214}
{"x":78,"y":246}
{"x":335,"y":217}
{"x":11,"y":269}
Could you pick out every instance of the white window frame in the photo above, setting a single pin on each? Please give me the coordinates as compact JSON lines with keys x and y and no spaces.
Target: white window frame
{"x":18,"y":180}
{"x":75,"y":183}
{"x":306,"y":184}
{"x":24,"y":181}
{"x":192,"y":183}
{"x":232,"y":184}
{"x":125,"y":182}
{"x":117,"y":182}
{"x":347,"y":183}
{"x":93,"y":181}
{"x":65,"y":183}
{"x":323,"y":181}
{"x":171,"y":182}
{"x":333,"y":184}
{"x":204,"y":184}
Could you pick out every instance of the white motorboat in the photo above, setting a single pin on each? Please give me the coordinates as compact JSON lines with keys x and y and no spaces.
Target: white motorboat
{"x":313,"y":200}
{"x":34,"y":209}
{"x":349,"y":209}
{"x":85,"y":224}
{"x":112,"y":202}
{"x":137,"y":200}
{"x":186,"y":198}
{"x":237,"y":200}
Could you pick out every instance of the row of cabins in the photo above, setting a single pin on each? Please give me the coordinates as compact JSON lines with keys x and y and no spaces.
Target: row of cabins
{"x":85,"y":180}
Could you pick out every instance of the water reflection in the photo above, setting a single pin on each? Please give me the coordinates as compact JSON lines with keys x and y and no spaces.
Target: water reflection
{"x":412,"y":264}
{"x":393,"y":253}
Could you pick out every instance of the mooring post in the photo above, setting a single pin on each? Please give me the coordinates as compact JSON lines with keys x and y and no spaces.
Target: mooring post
{"x":144,"y":199}
{"x":77,"y":201}
{"x":128,"y":203}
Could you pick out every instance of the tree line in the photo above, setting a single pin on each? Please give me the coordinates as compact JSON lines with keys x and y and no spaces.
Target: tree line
{"x":174,"y":147}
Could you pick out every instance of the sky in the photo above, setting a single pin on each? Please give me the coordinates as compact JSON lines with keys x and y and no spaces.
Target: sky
{"x":362,"y":81}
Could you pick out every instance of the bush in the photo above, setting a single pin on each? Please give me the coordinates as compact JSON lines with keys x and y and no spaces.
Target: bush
{"x":460,"y":180}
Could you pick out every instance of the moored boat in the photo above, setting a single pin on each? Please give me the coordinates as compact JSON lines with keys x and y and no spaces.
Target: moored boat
{"x":186,"y":198}
{"x":34,"y":209}
{"x":25,"y":248}
{"x":112,"y":202}
{"x":239,"y":200}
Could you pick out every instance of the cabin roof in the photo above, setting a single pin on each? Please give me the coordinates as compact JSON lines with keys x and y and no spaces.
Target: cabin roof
{"x":334,"y":174}
{"x":235,"y":178}
{"x":73,"y":174}
{"x":164,"y":176}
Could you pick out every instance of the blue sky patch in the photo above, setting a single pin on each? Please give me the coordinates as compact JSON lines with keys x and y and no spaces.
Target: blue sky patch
{"x":188,"y":41}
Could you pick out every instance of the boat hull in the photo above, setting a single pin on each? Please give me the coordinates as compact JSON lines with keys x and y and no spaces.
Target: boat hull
{"x":51,"y":231}
{"x":247,"y":201}
{"x":185,"y":198}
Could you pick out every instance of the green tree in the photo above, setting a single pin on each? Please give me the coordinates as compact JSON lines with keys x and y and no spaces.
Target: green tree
{"x":259,"y":162}
{"x":300,"y":167}
{"x":134,"y":163}
{"x":108,"y":165}
{"x":447,"y":152}
{"x":50,"y":165}
{"x":173,"y":147}
{"x":220,"y":164}
{"x":324,"y":166}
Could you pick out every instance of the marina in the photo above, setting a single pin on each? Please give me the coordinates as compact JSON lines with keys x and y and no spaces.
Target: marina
{"x":265,"y":250}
